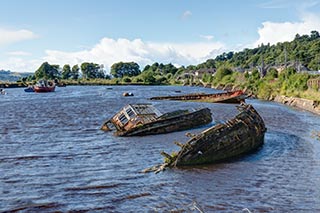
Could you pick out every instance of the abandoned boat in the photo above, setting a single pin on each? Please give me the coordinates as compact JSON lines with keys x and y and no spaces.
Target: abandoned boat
{"x":145,"y":119}
{"x":242,"y":134}
{"x":44,"y":86}
{"x":237,"y":96}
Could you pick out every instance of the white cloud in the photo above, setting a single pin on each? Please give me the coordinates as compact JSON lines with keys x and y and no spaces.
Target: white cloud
{"x":16,"y":64}
{"x":19,"y":53}
{"x":207,"y":37}
{"x":10,"y":36}
{"x":186,"y":14}
{"x":109,"y":51}
{"x":273,"y":32}
{"x":276,"y":4}
{"x":286,"y":4}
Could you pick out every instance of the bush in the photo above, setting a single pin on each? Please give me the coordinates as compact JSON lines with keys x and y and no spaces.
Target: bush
{"x":126,"y":80}
{"x":221,"y":72}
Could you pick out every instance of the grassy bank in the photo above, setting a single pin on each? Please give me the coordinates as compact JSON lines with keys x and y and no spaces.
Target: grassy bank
{"x":287,"y":83}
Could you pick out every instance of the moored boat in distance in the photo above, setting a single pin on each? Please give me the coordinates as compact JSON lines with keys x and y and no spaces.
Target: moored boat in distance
{"x":29,"y":89}
{"x":125,"y":94}
{"x":2,"y":92}
{"x":237,"y":96}
{"x":44,"y":86}
{"x":242,"y":134}
{"x":145,"y":119}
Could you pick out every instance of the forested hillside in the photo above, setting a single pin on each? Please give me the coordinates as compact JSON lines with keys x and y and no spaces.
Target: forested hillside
{"x":303,"y":51}
{"x":8,"y":76}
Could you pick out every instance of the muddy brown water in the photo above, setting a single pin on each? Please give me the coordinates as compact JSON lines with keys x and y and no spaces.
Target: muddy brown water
{"x":54,"y":157}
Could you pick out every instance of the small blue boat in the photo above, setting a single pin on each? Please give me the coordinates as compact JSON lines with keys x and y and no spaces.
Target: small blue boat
{"x":29,"y":89}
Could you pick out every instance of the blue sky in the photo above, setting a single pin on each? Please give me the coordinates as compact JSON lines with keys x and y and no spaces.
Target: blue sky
{"x":181,"y":32}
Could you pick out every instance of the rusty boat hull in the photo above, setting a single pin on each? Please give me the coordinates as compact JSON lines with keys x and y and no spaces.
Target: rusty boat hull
{"x":170,"y":122}
{"x":234,"y":97}
{"x":242,"y":134}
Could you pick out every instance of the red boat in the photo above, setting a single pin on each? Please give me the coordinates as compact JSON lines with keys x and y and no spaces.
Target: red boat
{"x":44,"y":86}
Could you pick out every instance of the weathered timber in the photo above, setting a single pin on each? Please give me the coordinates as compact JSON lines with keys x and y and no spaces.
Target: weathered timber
{"x":144,"y":119}
{"x":237,"y":96}
{"x":242,"y":134}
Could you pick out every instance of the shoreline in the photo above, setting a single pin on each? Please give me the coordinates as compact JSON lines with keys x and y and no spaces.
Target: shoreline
{"x":300,"y":103}
{"x":81,"y":83}
{"x":296,"y":102}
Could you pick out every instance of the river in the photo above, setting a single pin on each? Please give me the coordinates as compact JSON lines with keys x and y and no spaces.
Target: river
{"x":55,"y":158}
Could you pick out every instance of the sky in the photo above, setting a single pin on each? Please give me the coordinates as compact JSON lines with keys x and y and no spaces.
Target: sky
{"x":181,"y":32}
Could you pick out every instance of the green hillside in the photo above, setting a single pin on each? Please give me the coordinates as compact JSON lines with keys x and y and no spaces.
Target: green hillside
{"x":8,"y":76}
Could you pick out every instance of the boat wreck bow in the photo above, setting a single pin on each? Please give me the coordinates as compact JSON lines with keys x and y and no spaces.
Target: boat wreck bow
{"x":242,"y":134}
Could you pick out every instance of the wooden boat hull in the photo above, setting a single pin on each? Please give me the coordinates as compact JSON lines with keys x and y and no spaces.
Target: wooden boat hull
{"x":240,"y":135}
{"x":171,"y":124}
{"x":235,"y":97}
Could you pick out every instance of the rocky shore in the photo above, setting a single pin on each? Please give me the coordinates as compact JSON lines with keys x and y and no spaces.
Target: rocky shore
{"x":305,"y":104}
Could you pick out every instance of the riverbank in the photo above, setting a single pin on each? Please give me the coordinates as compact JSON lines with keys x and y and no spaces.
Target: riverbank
{"x":11,"y":85}
{"x":73,"y":83}
{"x":301,"y":103}
{"x":85,"y":83}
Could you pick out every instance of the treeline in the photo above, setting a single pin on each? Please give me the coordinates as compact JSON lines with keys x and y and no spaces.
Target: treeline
{"x":150,"y":75}
{"x":121,"y":72}
{"x":52,"y":71}
{"x":303,"y":51}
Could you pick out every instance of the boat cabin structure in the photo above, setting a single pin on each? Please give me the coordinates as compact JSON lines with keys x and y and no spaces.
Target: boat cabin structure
{"x":145,"y":119}
{"x":133,"y":115}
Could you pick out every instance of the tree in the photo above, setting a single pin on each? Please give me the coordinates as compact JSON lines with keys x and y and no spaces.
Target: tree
{"x":314,"y":35}
{"x":169,"y":68}
{"x":221,"y":72}
{"x":91,"y":70}
{"x":66,"y":72}
{"x":75,"y":72}
{"x":47,"y":71}
{"x":146,"y":68}
{"x":147,"y":77}
{"x":122,"y":69}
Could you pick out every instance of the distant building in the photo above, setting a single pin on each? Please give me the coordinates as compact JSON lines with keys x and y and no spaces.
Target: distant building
{"x":200,"y":72}
{"x":311,"y":72}
{"x":239,"y":69}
